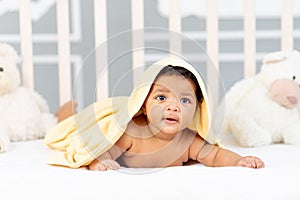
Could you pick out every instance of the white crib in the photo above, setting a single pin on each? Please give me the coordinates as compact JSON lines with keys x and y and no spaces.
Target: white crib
{"x":211,"y":37}
{"x":25,"y":174}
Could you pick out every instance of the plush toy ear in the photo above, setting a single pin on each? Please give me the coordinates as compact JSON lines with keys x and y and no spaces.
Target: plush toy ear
{"x":275,"y":57}
{"x":278,"y":57}
{"x":7,"y":51}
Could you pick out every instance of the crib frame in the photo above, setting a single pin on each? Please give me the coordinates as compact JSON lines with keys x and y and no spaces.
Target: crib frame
{"x":138,"y":58}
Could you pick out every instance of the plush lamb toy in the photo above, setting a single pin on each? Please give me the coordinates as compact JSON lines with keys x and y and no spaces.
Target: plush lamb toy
{"x":24,"y":114}
{"x":264,"y":109}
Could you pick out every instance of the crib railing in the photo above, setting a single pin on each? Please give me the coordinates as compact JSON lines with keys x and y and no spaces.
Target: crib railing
{"x":26,"y":43}
{"x":63,"y":33}
{"x":138,"y":57}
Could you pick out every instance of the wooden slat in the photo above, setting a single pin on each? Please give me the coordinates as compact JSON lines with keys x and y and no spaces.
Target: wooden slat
{"x":101,"y":51}
{"x":249,"y":38}
{"x":175,"y":27}
{"x":287,"y":36}
{"x":137,"y":25}
{"x":212,"y":49}
{"x":64,"y":64}
{"x":26,"y":44}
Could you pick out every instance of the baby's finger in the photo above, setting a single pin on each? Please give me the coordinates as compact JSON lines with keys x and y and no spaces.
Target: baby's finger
{"x":111,"y":164}
{"x":259,"y":163}
{"x":253,"y":162}
{"x":115,"y":165}
{"x":102,"y":167}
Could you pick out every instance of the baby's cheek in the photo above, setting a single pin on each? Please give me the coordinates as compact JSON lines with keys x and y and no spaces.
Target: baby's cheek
{"x":188,"y":116}
{"x":154,"y":116}
{"x":154,"y":112}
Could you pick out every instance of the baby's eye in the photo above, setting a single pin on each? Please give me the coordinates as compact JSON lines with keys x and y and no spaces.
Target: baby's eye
{"x":185,"y":100}
{"x":294,"y":78}
{"x":161,"y":98}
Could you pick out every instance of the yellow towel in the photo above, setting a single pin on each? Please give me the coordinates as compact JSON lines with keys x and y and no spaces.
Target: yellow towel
{"x":83,"y":137}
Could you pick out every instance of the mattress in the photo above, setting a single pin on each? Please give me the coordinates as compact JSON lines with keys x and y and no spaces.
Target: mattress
{"x":24,"y":174}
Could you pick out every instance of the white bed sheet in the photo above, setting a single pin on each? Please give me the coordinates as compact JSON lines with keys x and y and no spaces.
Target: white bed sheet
{"x":24,"y":174}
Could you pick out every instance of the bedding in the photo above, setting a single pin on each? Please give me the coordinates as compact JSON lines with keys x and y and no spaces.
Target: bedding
{"x":24,"y":174}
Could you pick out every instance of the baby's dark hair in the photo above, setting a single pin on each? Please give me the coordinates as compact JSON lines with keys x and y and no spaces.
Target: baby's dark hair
{"x":177,"y":70}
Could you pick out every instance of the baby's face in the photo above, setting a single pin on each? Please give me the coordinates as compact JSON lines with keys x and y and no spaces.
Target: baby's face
{"x":171,"y":103}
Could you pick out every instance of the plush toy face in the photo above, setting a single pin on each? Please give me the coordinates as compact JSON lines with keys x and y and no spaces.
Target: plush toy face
{"x":9,"y":74}
{"x":280,"y":73}
{"x":280,"y":65}
{"x":285,"y":92}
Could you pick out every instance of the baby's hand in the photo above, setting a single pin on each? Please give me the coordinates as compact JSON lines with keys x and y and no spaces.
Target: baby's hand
{"x":251,"y":162}
{"x":104,"y":165}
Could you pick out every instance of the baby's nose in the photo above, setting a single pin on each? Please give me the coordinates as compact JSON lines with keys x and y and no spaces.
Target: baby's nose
{"x":292,"y":99}
{"x":174,"y":106}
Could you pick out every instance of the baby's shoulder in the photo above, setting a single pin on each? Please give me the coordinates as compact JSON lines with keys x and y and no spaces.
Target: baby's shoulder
{"x":187,"y":135}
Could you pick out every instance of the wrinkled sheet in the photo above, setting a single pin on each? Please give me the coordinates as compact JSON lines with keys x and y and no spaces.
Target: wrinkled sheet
{"x":24,"y":174}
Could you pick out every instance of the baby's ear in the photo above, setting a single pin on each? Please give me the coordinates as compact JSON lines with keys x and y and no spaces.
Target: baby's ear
{"x":144,"y":110}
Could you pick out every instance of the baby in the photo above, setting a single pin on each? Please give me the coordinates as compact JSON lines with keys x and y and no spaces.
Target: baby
{"x":160,"y":137}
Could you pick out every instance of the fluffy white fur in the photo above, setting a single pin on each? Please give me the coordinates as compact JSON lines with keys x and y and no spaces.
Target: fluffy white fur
{"x":24,"y":114}
{"x":251,"y":114}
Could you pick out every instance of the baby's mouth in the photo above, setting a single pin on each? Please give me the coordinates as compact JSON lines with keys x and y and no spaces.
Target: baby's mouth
{"x":170,"y":120}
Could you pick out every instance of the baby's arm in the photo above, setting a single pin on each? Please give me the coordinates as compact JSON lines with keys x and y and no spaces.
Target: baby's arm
{"x":212,"y":155}
{"x":104,"y":162}
{"x":107,"y":160}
